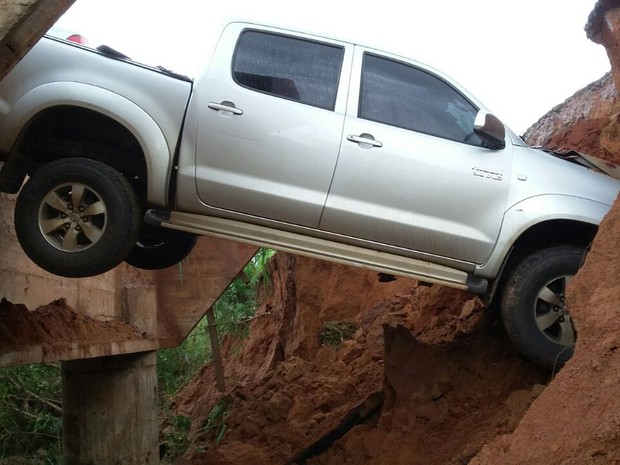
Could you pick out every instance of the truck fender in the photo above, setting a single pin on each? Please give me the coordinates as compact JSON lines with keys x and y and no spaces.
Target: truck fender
{"x":532,"y":211}
{"x":124,"y":111}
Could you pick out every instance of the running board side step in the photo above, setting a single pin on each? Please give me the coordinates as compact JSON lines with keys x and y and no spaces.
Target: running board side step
{"x":322,"y":249}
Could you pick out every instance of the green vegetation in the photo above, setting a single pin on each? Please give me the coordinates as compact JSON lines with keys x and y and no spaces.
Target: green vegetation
{"x":175,"y":367}
{"x":30,"y":414}
{"x":174,"y":437}
{"x":30,"y":395}
{"x":334,"y":333}
{"x":215,"y":424}
{"x":233,"y":312}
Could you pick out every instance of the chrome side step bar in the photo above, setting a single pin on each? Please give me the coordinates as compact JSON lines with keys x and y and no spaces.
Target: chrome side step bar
{"x":313,"y":247}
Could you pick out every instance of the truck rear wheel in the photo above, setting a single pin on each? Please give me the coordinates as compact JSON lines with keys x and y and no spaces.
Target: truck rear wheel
{"x":77,"y":217}
{"x":159,"y":248}
{"x":533,"y":306}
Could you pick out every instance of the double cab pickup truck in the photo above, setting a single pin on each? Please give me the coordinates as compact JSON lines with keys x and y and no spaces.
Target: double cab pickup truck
{"x":301,"y":143}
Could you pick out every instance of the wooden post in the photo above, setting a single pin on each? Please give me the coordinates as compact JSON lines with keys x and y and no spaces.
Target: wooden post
{"x":215,"y":351}
{"x":110,"y":410}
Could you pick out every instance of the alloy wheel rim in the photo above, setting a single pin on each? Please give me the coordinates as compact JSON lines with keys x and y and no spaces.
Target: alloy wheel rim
{"x":72,"y":217}
{"x":551,"y":314}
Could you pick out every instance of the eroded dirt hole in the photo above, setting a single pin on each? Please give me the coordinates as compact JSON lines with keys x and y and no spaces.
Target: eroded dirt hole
{"x":362,"y":414}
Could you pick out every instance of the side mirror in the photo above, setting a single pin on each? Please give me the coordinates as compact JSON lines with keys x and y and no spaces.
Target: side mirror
{"x":490,"y":129}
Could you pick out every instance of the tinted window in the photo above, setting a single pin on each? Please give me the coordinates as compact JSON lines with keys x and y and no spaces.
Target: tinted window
{"x":401,"y":95}
{"x":288,"y":67}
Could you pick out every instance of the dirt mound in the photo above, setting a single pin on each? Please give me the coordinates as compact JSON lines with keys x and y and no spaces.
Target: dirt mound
{"x":56,"y":325}
{"x":427,"y":377}
{"x":576,"y":420}
{"x":585,"y":122}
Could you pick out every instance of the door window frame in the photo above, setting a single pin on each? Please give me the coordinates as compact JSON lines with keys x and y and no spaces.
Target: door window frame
{"x":288,"y":84}
{"x":355,"y":97}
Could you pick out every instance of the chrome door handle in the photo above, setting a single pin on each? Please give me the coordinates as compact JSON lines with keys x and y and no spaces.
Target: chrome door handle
{"x":225,"y":106}
{"x":365,"y":139}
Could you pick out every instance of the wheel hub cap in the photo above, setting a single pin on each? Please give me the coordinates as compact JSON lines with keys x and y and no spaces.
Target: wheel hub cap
{"x":552,"y":317}
{"x":72,"y":217}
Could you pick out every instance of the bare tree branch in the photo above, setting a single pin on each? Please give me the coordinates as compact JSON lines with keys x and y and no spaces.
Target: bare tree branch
{"x":18,"y":383}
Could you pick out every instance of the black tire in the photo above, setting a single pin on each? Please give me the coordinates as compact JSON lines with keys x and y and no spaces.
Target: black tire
{"x":159,"y":248}
{"x":533,"y":310}
{"x":87,"y":240}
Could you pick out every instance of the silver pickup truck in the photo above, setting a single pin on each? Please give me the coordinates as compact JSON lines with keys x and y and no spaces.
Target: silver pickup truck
{"x":300,"y":143}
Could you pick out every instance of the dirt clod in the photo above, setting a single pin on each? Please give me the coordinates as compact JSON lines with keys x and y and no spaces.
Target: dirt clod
{"x":56,"y":325}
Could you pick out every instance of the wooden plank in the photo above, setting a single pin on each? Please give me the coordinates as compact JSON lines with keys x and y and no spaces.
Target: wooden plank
{"x":22,"y":24}
{"x":220,"y":379}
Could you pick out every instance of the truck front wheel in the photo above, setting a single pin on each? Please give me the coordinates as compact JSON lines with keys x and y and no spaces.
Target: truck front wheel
{"x":77,"y":217}
{"x":533,"y":306}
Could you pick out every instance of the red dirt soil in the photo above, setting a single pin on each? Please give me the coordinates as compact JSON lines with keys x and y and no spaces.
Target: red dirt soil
{"x":56,"y":325}
{"x":428,"y":378}
{"x":576,"y":420}
{"x":585,"y":122}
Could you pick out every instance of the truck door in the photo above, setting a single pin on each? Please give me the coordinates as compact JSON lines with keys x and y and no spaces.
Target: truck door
{"x":411,"y":172}
{"x":271,"y":112}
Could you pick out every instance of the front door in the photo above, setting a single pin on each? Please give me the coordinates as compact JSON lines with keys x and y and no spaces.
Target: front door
{"x":411,"y":172}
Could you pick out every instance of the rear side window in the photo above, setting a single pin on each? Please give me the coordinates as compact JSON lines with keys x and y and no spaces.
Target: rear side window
{"x":289,"y":67}
{"x":402,"y":95}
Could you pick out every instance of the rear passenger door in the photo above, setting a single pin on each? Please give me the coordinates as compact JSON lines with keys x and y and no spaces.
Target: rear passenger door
{"x":270,"y":125}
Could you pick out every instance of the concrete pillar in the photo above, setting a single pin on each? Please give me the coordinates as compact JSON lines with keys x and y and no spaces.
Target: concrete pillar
{"x":110,"y":409}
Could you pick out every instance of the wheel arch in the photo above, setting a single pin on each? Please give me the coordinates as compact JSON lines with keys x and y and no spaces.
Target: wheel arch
{"x":546,"y":234}
{"x":67,"y":119}
{"x":552,"y":233}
